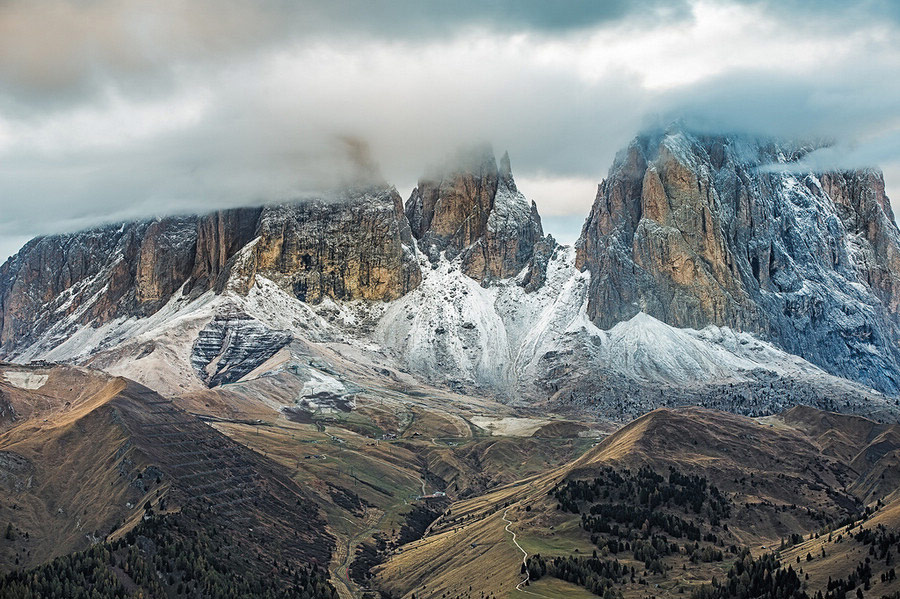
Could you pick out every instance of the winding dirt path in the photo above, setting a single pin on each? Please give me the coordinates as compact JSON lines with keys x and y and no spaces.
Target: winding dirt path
{"x":524,"y":557}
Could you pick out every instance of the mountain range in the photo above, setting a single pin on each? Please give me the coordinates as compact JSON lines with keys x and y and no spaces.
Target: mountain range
{"x":706,"y":263}
{"x":349,"y":395}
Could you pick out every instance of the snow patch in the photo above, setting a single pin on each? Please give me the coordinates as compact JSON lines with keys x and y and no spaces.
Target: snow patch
{"x":509,"y":210}
{"x":509,"y":426}
{"x":25,"y":380}
{"x":503,"y":336}
{"x":448,"y":327}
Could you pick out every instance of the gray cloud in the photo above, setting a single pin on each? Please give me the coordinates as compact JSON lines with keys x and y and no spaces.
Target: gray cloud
{"x":120,"y":110}
{"x":843,"y":157}
{"x":839,"y":14}
{"x":56,"y":51}
{"x":848,"y":100}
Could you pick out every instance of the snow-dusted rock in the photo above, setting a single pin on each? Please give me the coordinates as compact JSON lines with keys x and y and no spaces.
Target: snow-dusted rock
{"x":232,"y":345}
{"x":717,"y":230}
{"x":473,"y":209}
{"x":706,"y":273}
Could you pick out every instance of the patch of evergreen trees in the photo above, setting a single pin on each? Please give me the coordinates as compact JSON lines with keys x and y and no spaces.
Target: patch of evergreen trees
{"x":883,"y":544}
{"x":599,"y":576}
{"x":172,"y":556}
{"x":749,"y":578}
{"x":603,"y":517}
{"x":647,"y":489}
{"x":859,"y":578}
{"x":634,"y":511}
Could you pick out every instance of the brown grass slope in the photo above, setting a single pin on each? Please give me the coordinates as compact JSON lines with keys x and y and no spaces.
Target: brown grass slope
{"x":366,"y":487}
{"x":871,"y":449}
{"x":85,"y":453}
{"x":783,"y":475}
{"x":843,"y":553}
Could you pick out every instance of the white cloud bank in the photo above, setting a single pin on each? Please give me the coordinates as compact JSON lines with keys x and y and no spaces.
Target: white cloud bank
{"x":115,"y":109}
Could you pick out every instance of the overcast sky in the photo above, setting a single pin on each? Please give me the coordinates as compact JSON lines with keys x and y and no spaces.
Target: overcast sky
{"x":115,"y":109}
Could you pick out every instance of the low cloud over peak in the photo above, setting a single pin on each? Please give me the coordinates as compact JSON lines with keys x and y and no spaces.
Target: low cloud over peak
{"x":117,"y":108}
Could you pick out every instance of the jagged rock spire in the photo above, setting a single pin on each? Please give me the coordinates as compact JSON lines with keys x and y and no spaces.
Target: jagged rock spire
{"x":472,"y":208}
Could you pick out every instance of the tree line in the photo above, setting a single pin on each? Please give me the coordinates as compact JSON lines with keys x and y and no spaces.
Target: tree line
{"x":170,"y":556}
{"x":750,"y":578}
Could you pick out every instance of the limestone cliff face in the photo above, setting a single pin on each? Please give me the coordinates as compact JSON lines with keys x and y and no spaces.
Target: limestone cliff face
{"x":698,"y":230}
{"x":93,"y":276}
{"x":164,"y":262}
{"x":219,"y":236}
{"x":474,"y":210}
{"x":356,"y":245}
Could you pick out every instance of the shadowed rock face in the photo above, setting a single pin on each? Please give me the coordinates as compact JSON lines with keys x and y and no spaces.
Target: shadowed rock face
{"x":233,"y":345}
{"x":219,"y":236}
{"x":114,"y":271}
{"x":692,"y":231}
{"x":93,"y":276}
{"x":474,"y":209}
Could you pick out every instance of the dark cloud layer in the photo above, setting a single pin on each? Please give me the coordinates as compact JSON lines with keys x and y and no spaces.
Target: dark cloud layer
{"x":840,"y":13}
{"x":115,"y":109}
{"x":56,"y":50}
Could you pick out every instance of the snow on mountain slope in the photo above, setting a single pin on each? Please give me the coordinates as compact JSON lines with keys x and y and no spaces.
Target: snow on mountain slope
{"x":81,"y":341}
{"x":157,"y":350}
{"x":540,"y":319}
{"x":453,"y":330}
{"x":647,"y":349}
{"x":699,"y":229}
{"x":499,"y":340}
{"x":510,"y":206}
{"x":448,"y":329}
{"x":164,"y":353}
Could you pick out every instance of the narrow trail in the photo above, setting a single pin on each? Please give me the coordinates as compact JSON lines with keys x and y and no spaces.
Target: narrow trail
{"x":524,"y":557}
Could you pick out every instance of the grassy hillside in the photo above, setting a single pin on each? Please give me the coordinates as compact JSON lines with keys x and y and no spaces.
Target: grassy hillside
{"x":424,"y":493}
{"x":776,"y":478}
{"x":80,"y":468}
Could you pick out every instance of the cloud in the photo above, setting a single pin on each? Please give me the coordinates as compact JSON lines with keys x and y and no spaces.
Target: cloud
{"x":55,"y":51}
{"x":115,"y":109}
{"x":836,"y":15}
{"x":560,"y":196}
{"x":842,"y":157}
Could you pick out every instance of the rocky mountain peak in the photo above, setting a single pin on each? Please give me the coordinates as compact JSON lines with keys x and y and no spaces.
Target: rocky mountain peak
{"x":506,"y":170}
{"x":472,"y":208}
{"x":449,"y":207}
{"x":725,"y":230}
{"x":354,"y":245}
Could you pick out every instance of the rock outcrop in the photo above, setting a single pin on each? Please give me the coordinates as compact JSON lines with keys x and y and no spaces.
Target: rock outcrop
{"x":92,"y":277}
{"x":352,"y":245}
{"x":232,"y":345}
{"x":689,"y":230}
{"x":219,"y":236}
{"x":699,"y":230}
{"x":474,"y":210}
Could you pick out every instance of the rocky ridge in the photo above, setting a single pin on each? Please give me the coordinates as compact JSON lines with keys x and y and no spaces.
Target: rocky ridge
{"x":657,"y":305}
{"x":713,"y":230}
{"x":354,"y":245}
{"x":473,"y":209}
